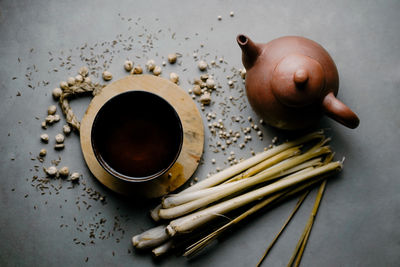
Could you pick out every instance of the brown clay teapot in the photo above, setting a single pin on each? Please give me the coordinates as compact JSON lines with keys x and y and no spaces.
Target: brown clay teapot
{"x":291,"y":81}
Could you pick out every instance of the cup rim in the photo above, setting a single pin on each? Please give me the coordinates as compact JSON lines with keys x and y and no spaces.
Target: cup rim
{"x":122,"y":176}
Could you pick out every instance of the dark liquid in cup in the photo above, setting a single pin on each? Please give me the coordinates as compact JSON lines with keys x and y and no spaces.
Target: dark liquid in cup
{"x":137,"y":135}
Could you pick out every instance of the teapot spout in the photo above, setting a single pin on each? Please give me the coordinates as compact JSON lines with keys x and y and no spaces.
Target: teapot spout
{"x":250,"y":50}
{"x":338,"y":111}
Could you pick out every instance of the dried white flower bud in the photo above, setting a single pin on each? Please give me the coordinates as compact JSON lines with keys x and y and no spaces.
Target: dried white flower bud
{"x":137,"y":70}
{"x":172,"y":58}
{"x":157,"y":70}
{"x":51,"y":171}
{"x":197,"y":89}
{"x":64,"y":171}
{"x":242,"y":73}
{"x":43,"y":152}
{"x":50,"y":119}
{"x":59,"y":146}
{"x":230,"y":83}
{"x":219,"y":17}
{"x":44,"y":125}
{"x":210,"y":83}
{"x":64,"y":85}
{"x":51,"y":110}
{"x":107,"y":76}
{"x":66,"y":129}
{"x":205,"y":98}
{"x":57,"y":118}
{"x":204,"y":77}
{"x":56,"y":93}
{"x":59,"y":138}
{"x":150,"y":65}
{"x":174,"y":77}
{"x":202,"y":65}
{"x":88,"y":80}
{"x":71,"y":81}
{"x":231,"y":14}
{"x":84,"y":71}
{"x":75,"y":177}
{"x":78,"y":78}
{"x":128,"y":65}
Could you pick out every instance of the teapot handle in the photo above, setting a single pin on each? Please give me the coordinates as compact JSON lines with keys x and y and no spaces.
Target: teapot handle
{"x":338,"y":111}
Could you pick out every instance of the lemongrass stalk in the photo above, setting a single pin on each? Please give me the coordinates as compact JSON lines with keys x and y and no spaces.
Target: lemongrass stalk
{"x":164,"y":248}
{"x":244,"y":165}
{"x":181,"y":198}
{"x":298,"y":252}
{"x":310,"y":163}
{"x":296,"y":208}
{"x":271,"y":200}
{"x":188,"y":207}
{"x":178,"y":199}
{"x":190,"y":222}
{"x":154,"y":213}
{"x":267,"y":163}
{"x":150,"y":238}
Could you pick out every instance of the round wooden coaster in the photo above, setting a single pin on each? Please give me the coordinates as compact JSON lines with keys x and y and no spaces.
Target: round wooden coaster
{"x":193,"y":139}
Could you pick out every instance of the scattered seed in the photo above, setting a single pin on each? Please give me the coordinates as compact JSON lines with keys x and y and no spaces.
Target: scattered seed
{"x":75,"y":176}
{"x":137,"y":70}
{"x":205,"y":98}
{"x":202,"y":65}
{"x":59,"y":146}
{"x":128,"y":65}
{"x":174,"y":77}
{"x":51,"y":110}
{"x":66,"y":129}
{"x":150,"y":65}
{"x":172,"y":58}
{"x":51,"y":171}
{"x":197,"y":89}
{"x":64,"y":171}
{"x":42,"y":152}
{"x":44,"y":138}
{"x":157,"y":70}
{"x":107,"y":76}
{"x":59,"y":138}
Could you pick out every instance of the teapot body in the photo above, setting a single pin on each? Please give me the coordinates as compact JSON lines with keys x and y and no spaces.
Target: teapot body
{"x":288,"y":80}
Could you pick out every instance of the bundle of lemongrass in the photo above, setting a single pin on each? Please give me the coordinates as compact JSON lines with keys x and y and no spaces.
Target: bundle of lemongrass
{"x":263,"y":179}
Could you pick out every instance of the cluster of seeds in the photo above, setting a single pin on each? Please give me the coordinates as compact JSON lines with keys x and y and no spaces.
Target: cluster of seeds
{"x":203,"y":88}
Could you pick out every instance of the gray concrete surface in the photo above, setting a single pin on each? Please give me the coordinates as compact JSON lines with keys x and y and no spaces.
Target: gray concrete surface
{"x":357,"y":224}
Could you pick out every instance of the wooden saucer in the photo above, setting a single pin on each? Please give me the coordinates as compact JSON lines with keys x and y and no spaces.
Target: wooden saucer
{"x":193,"y":139}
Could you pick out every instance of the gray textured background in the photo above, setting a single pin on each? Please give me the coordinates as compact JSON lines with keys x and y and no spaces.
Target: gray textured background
{"x":357,"y":224}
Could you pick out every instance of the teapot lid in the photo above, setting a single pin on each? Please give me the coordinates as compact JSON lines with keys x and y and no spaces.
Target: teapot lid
{"x":298,"y":80}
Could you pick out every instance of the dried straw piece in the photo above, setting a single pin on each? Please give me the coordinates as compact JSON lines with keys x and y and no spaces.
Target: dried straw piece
{"x":296,"y":208}
{"x":298,"y":252}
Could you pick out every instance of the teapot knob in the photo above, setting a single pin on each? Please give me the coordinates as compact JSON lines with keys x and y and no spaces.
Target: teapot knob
{"x":300,"y":76}
{"x":298,"y":80}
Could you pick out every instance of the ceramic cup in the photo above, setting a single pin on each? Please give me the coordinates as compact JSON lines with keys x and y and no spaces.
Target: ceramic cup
{"x":137,"y":136}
